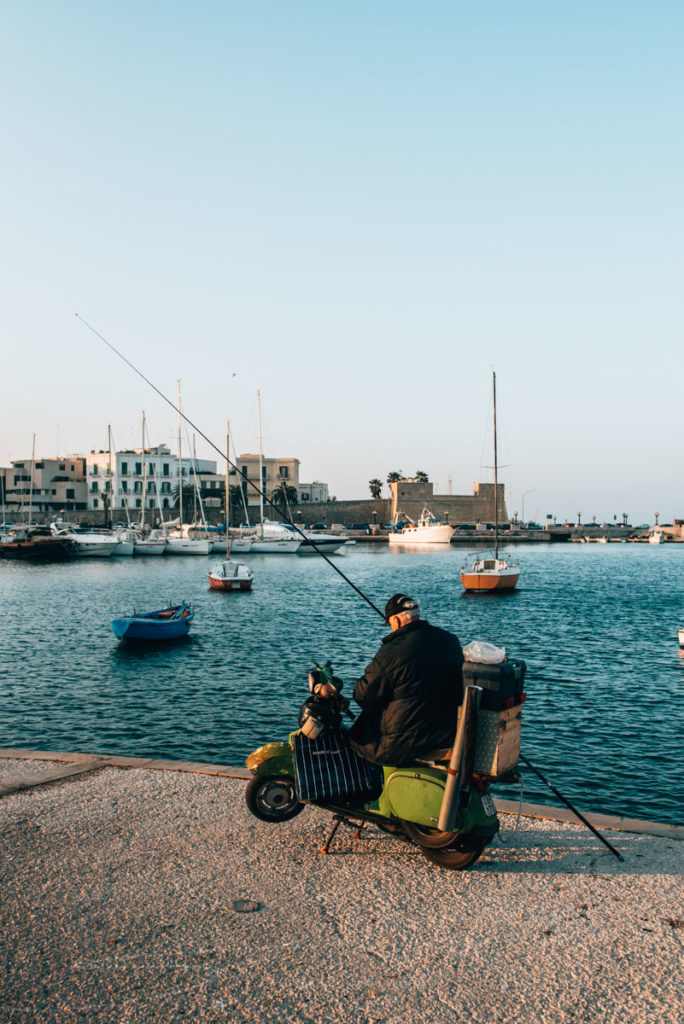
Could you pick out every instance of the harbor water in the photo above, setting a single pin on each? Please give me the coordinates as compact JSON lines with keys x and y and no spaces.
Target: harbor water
{"x":596,"y":625}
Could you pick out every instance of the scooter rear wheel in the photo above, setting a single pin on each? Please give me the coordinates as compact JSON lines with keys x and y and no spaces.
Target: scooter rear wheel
{"x":273,"y":798}
{"x":455,"y":856}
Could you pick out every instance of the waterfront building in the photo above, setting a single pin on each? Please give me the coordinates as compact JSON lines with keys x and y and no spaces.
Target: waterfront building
{"x":134,"y":479}
{"x":274,"y":473}
{"x":315,"y":491}
{"x":47,"y":487}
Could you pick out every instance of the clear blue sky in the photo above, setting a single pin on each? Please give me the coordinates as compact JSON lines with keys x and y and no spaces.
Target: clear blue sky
{"x":360,"y":209}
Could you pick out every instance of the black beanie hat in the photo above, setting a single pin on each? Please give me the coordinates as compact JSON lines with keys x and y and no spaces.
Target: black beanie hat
{"x":399,"y":603}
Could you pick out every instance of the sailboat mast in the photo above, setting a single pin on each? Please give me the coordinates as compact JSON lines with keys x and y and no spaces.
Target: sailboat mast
{"x":496,"y":478}
{"x":109,"y":469}
{"x":33,"y":463}
{"x":180,"y":463}
{"x":227,"y":487}
{"x":144,"y":477}
{"x":261,"y":471}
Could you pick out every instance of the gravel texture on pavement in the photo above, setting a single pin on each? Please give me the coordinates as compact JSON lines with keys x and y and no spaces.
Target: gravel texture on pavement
{"x":130,"y":895}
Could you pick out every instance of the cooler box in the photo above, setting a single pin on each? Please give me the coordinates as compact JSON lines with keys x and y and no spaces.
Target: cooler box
{"x":502,"y":684}
{"x":497,"y":745}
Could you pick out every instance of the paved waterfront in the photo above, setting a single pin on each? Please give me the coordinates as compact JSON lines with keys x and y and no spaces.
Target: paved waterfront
{"x":133,"y":894}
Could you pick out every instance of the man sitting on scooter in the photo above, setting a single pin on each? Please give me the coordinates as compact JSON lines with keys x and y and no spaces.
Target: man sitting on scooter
{"x":411,"y":691}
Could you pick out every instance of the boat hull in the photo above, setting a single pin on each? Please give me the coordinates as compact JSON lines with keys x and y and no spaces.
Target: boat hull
{"x":149,"y":547}
{"x":327,"y":545}
{"x":186,"y":546}
{"x":273,"y":547}
{"x":412,"y":535}
{"x":490,"y":580}
{"x":93,"y":549}
{"x":165,"y":624}
{"x":37,"y":551}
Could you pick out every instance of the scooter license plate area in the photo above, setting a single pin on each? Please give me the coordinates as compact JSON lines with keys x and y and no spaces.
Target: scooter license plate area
{"x":415,"y":796}
{"x":487,"y":804}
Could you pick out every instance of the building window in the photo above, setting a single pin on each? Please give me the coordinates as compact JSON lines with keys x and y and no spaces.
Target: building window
{"x":70,"y":493}
{"x":150,"y":468}
{"x":165,"y":469}
{"x":138,"y":469}
{"x":305,"y":496}
{"x":138,"y":503}
{"x":95,"y":503}
{"x":124,"y":468}
{"x":283,"y":472}
{"x":95,"y":469}
{"x":123,"y":503}
{"x":40,"y":465}
{"x":93,"y":487}
{"x":137,"y":488}
{"x":124,"y":486}
{"x":62,"y":466}
{"x":244,"y":471}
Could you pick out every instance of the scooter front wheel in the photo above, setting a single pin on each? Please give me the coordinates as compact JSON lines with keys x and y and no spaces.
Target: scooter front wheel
{"x":273,"y":798}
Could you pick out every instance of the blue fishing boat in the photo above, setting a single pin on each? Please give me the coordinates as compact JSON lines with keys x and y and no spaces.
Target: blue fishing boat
{"x":165,"y":624}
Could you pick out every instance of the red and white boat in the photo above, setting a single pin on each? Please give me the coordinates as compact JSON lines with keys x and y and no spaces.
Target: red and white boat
{"x":230,"y":576}
{"x":487,"y":572}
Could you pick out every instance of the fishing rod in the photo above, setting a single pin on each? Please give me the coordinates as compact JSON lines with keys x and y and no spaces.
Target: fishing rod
{"x":229,"y":464}
{"x":573,"y":809}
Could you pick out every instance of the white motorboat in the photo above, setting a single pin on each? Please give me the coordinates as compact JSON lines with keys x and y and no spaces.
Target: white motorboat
{"x":125,"y":542}
{"x":428,"y":530}
{"x":273,"y":539}
{"x":656,"y":536}
{"x":325,"y":542}
{"x":85,"y":543}
{"x":680,"y":633}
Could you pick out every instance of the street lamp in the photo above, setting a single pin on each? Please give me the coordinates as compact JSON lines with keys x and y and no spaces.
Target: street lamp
{"x":522,"y":505}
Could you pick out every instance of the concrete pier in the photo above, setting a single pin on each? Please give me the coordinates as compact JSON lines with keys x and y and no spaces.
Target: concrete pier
{"x":139,"y":890}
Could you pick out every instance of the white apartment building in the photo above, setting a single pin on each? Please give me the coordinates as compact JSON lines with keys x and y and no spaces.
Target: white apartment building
{"x":137,"y":480}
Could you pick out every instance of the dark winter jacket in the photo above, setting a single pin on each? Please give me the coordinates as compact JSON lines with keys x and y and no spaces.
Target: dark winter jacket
{"x":409,"y":695}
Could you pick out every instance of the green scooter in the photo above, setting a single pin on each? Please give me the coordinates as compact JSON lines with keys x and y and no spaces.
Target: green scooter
{"x":439,"y":803}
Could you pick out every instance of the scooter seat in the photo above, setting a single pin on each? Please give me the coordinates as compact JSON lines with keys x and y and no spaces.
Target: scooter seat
{"x":444,"y":754}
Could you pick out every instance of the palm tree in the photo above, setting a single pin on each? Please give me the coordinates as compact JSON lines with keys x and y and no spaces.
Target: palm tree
{"x":394,"y":476}
{"x":375,"y":486}
{"x":284,"y":498}
{"x":421,"y":476}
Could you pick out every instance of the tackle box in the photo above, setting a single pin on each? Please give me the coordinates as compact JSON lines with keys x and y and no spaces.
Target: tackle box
{"x":502,"y":684}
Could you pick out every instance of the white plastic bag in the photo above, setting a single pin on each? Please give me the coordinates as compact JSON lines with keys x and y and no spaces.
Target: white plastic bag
{"x":484,"y":653}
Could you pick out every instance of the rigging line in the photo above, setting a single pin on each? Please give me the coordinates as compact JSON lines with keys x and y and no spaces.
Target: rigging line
{"x":225,"y":455}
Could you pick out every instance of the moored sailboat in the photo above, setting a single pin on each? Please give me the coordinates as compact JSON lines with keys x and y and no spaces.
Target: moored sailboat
{"x":480,"y":573}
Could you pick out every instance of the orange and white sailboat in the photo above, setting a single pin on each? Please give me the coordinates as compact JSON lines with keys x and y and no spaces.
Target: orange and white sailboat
{"x":487,"y":572}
